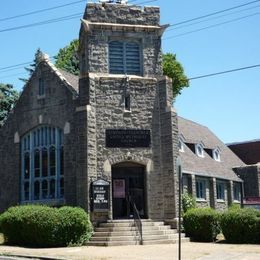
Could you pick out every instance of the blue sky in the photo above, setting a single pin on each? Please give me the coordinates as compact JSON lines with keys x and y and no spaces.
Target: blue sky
{"x":228,"y":104}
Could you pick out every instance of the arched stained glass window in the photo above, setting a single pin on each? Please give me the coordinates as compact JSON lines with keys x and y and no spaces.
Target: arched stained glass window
{"x":42,"y":165}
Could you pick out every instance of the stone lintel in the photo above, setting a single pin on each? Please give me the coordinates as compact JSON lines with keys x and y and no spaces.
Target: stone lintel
{"x":117,"y":76}
{"x":89,"y":26}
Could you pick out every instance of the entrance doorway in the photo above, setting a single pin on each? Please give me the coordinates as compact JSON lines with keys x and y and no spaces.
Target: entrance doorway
{"x":128,"y":184}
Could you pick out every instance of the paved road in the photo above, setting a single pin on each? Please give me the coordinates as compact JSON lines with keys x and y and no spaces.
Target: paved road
{"x":190,"y":251}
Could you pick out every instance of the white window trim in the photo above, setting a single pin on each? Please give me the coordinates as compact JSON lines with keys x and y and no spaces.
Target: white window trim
{"x":197,"y":146}
{"x":214,"y":152}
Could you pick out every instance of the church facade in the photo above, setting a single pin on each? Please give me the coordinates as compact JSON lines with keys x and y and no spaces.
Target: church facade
{"x":106,"y":139}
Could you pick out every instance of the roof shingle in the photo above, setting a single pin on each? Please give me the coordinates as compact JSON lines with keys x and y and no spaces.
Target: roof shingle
{"x":195,"y":133}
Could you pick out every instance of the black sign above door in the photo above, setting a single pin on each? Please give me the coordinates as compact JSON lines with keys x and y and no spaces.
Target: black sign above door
{"x":100,"y":195}
{"x":128,"y":138}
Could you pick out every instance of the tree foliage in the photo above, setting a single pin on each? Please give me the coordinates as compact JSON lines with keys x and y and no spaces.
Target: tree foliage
{"x":174,"y":70}
{"x":33,"y":65}
{"x":8,"y":97}
{"x":67,"y":59}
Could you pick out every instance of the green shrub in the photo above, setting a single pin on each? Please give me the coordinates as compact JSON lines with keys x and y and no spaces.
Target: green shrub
{"x":42,"y":226}
{"x":188,"y":202}
{"x":201,"y":224}
{"x":234,"y":206}
{"x":241,"y":225}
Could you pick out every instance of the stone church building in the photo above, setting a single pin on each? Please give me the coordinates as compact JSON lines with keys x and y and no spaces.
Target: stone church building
{"x":114,"y":123}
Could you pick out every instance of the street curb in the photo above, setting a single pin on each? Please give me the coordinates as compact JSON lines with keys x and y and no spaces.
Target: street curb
{"x":34,"y":257}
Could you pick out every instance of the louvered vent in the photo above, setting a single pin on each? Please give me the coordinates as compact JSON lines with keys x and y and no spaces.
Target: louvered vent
{"x":124,"y":58}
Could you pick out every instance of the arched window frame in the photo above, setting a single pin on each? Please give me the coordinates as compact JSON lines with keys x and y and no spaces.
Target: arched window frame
{"x":125,"y":48}
{"x":199,"y":150}
{"x":216,"y":154}
{"x":42,"y":141}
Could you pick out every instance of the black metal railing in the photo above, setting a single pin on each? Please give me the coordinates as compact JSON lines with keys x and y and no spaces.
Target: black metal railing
{"x":137,"y":220}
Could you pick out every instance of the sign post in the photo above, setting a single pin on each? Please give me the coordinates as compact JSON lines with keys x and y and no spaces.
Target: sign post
{"x":100,"y":195}
{"x":179,"y":171}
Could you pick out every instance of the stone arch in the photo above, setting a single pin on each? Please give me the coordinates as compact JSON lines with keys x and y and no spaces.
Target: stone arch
{"x":129,"y":158}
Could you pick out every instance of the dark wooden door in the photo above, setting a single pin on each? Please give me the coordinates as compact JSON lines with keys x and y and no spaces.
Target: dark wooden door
{"x":128,"y":181}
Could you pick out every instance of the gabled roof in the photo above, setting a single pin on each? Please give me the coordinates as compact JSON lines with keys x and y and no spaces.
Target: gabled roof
{"x":191,"y":163}
{"x":70,"y":81}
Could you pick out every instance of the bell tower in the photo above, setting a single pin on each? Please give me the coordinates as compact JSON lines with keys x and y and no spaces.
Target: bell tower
{"x":126,"y":110}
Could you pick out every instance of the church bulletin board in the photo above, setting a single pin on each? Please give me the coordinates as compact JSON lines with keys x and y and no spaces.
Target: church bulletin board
{"x":100,"y":195}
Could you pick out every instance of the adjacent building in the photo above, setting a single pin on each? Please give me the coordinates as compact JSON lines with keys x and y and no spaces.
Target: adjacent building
{"x":249,"y":153}
{"x":208,"y":166}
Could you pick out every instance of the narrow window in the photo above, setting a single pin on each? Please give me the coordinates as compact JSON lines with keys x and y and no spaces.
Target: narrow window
{"x":61,"y":160}
{"x":45,"y":189}
{"x":52,"y":161}
{"x":26,"y":191}
{"x":236,"y":191}
{"x":200,"y":189}
{"x":41,"y":87}
{"x":36,"y":163}
{"x":26,"y":166}
{"x":52,"y":189}
{"x":44,"y":163}
{"x":127,"y":102}
{"x":61,"y":187}
{"x":37,"y":190}
{"x":220,"y":191}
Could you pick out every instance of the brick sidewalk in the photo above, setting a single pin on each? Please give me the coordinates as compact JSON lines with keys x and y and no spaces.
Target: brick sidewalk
{"x":202,"y":251}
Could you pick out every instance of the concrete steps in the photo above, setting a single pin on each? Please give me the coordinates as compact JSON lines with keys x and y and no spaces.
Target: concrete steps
{"x":124,"y":232}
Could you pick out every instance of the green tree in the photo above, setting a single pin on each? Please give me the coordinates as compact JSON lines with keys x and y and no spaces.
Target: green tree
{"x":8,"y":97}
{"x":33,"y":65}
{"x":67,"y":58}
{"x":174,"y":70}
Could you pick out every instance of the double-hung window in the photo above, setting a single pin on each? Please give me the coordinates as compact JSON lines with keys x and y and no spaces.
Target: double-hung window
{"x":124,"y":58}
{"x":220,"y":190}
{"x":200,"y":189}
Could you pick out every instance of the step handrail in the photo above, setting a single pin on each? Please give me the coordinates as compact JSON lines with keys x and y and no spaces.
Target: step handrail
{"x":137,"y":220}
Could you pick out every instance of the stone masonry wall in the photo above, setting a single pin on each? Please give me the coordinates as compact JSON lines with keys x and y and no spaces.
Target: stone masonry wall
{"x":55,"y":108}
{"x":122,"y":14}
